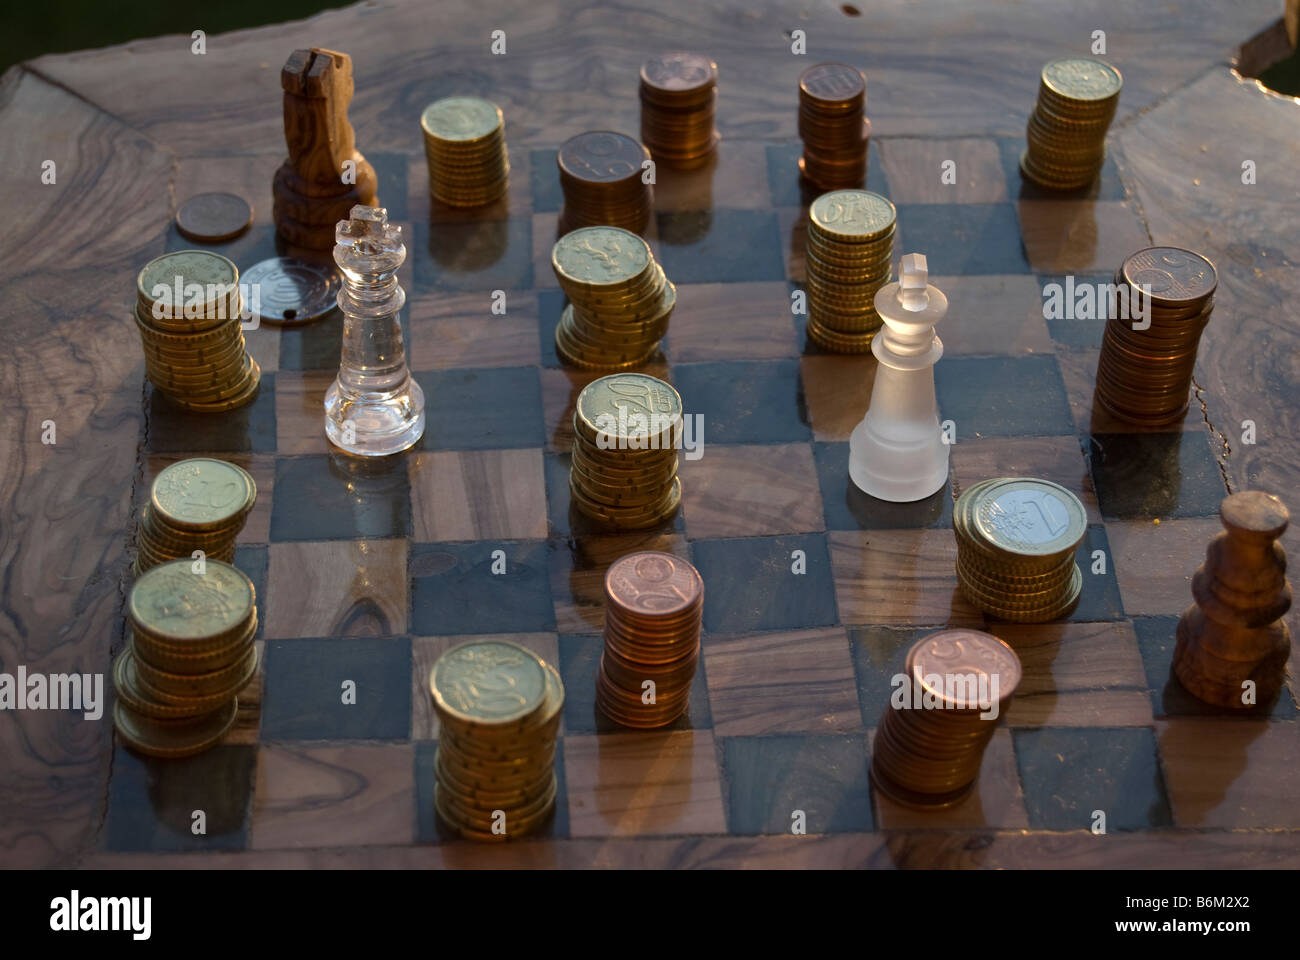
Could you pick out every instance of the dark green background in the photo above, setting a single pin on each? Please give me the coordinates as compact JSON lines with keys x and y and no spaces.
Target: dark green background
{"x":29,"y":28}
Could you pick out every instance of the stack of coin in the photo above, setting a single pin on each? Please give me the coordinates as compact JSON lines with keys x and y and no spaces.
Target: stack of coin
{"x":678,"y":95}
{"x":187,"y":312}
{"x":197,"y":504}
{"x":191,"y":651}
{"x":619,"y":299}
{"x":1067,"y":130}
{"x":1015,"y":548}
{"x":834,"y":131}
{"x":1143,"y":375}
{"x":850,"y":243}
{"x":928,"y":753}
{"x":626,"y":430}
{"x":602,"y":176}
{"x":499,"y":709}
{"x":653,"y":605}
{"x":465,"y":148}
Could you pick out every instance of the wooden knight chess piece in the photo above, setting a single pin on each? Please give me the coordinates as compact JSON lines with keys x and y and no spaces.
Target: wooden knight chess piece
{"x":325,"y":176}
{"x":1234,"y":632}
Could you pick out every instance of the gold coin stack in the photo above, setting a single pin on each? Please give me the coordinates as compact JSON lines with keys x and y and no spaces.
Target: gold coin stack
{"x":620,"y":302}
{"x":601,"y":176}
{"x":653,"y":606}
{"x":623,"y":470}
{"x":187,"y":311}
{"x":928,"y":753}
{"x":850,"y":244}
{"x":197,"y":504}
{"x":835,"y":134}
{"x":465,"y":148}
{"x":1143,"y":375}
{"x":499,"y":709}
{"x":190,"y":653}
{"x":1066,"y":136}
{"x":1016,"y":540}
{"x":678,"y":94}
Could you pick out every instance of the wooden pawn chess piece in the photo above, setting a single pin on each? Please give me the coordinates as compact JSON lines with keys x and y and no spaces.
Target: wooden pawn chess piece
{"x":1234,"y":632}
{"x":316,"y":186}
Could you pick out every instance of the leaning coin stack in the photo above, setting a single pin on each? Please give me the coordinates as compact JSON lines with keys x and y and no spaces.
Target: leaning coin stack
{"x":187,"y":312}
{"x":465,"y":148}
{"x":601,"y":174}
{"x":623,"y":472}
{"x":678,"y":95}
{"x":834,"y":131}
{"x":928,"y":753}
{"x":191,"y":651}
{"x":1143,"y":375}
{"x":1066,"y":135}
{"x":1016,"y":540}
{"x":653,"y":605}
{"x":499,"y":709}
{"x":850,"y":243}
{"x":620,"y":302}
{"x":197,"y":504}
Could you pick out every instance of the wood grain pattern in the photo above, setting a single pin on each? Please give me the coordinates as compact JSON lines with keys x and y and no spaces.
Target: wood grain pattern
{"x":1049,"y":458}
{"x":460,"y":330}
{"x":1154,"y":562}
{"x":336,"y":588}
{"x":478,"y":495}
{"x":993,"y":315}
{"x":900,"y":577}
{"x":837,"y":390}
{"x":915,"y":171}
{"x":578,"y":576}
{"x":732,"y":321}
{"x":751,"y":491}
{"x":1080,"y":236}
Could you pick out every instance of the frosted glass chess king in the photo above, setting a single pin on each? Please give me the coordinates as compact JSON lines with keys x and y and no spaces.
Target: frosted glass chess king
{"x":373,"y":407}
{"x":898,"y":451}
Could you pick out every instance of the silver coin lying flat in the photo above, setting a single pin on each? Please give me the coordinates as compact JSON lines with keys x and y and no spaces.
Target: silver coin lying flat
{"x":290,"y":292}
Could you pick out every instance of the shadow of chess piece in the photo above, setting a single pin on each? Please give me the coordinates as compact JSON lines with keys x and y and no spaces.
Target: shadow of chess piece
{"x":1234,"y":633}
{"x":325,"y":175}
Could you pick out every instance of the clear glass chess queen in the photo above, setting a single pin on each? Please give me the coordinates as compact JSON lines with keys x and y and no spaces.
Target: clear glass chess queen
{"x":373,"y":407}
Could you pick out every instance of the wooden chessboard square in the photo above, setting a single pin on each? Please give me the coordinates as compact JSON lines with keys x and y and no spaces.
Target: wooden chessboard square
{"x":478,"y":495}
{"x":735,"y":178}
{"x":1154,"y":562}
{"x":300,"y":411}
{"x":879,"y":657}
{"x":1068,"y":305}
{"x":337,"y":688}
{"x":263,"y":345}
{"x":248,"y":175}
{"x":735,"y":491}
{"x":516,"y":202}
{"x":745,"y":401}
{"x":766,"y":583}
{"x":337,"y":497}
{"x":1079,"y":372}
{"x":356,"y":794}
{"x":578,"y":566}
{"x":337,"y":588}
{"x":994,"y":314}
{"x":792,"y":226}
{"x":472,"y":255}
{"x":488,"y":586}
{"x":482,"y":409}
{"x":785,"y":682}
{"x":567,"y":520}
{"x":1058,"y":459}
{"x":1107,"y":186}
{"x":461,"y":330}
{"x":837,"y":392}
{"x":560,"y":389}
{"x":699,"y":246}
{"x":544,"y":181}
{"x":319,"y":345}
{"x":425,"y":652}
{"x":1003,"y":396}
{"x":643,"y":784}
{"x":1064,"y":236}
{"x":771,"y":780}
{"x":974,"y":238}
{"x":789,"y":189}
{"x":965,"y":170}
{"x":899,"y":578}
{"x":257,"y":524}
{"x":246,"y":429}
{"x":1145,"y":475}
{"x":732,"y":321}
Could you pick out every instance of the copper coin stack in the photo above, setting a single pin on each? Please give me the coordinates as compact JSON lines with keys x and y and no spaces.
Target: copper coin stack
{"x":678,"y":94}
{"x":847,"y":259}
{"x":1066,"y":136}
{"x":601,"y":176}
{"x":928,"y":753}
{"x":187,"y":311}
{"x":1143,"y":375}
{"x":653,"y":606}
{"x":197,"y":504}
{"x":832,"y":127}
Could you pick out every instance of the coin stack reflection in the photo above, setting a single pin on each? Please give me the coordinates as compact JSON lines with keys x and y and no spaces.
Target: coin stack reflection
{"x":498,"y":706}
{"x":834,"y":131}
{"x":190,"y":652}
{"x":465,"y":148}
{"x":850,"y":244}
{"x":1016,"y":540}
{"x":1066,"y":136}
{"x":928,"y":750}
{"x":604,"y":177}
{"x":653,"y":606}
{"x":197,"y":504}
{"x":678,"y":95}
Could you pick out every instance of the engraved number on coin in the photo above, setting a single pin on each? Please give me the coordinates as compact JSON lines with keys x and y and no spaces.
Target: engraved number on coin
{"x":1028,"y":516}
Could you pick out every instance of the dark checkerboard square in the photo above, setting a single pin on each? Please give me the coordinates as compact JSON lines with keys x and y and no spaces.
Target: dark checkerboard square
{"x":317,"y":346}
{"x":1157,"y":638}
{"x":750,"y":583}
{"x":1079,"y":333}
{"x":253,"y":561}
{"x":967,"y":238}
{"x":336,"y":497}
{"x":307,"y":681}
{"x":567,"y":521}
{"x":755,"y":402}
{"x":481,"y":255}
{"x":1067,"y":773}
{"x":1108,"y":186}
{"x":548,"y":197}
{"x":880,"y":654}
{"x":769,"y":778}
{"x":550,"y":307}
{"x":790,"y":189}
{"x":848,"y":508}
{"x":1003,"y":396}
{"x":248,"y":429}
{"x":579,"y":665}
{"x":720,"y":246}
{"x":151,"y":803}
{"x":492,"y":408}
{"x":1142,"y":475}
{"x":390,"y":170}
{"x":454,"y":591}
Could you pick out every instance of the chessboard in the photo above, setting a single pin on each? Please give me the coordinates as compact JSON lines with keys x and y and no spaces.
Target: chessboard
{"x":367,"y":570}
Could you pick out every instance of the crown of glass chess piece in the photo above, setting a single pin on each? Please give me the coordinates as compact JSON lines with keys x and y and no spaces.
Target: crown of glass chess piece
{"x":374,"y":407}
